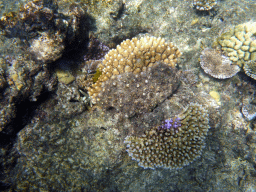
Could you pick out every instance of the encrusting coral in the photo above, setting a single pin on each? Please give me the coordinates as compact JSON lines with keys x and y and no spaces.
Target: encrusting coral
{"x":176,"y":143}
{"x":136,"y":56}
{"x":132,"y":93}
{"x":217,"y":65}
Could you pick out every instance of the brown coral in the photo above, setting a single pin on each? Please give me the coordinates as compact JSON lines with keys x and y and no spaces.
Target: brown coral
{"x":174,"y":145}
{"x":135,"y":56}
{"x":217,"y":65}
{"x":139,"y":93}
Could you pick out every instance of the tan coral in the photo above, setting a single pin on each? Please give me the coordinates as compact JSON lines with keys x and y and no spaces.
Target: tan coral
{"x":239,"y":43}
{"x":135,"y":55}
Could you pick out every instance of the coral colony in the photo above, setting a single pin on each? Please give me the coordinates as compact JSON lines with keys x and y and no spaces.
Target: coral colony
{"x":136,"y":56}
{"x":173,"y":145}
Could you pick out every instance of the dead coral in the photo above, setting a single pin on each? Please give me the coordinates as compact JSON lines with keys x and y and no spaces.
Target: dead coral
{"x":217,"y":65}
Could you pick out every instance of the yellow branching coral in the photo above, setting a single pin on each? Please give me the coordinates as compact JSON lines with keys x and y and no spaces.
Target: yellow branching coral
{"x":135,"y":55}
{"x":176,"y":143}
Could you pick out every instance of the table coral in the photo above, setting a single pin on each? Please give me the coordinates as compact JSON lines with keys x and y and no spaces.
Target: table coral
{"x":217,"y":65}
{"x":239,"y":43}
{"x":135,"y":56}
{"x":250,"y":69}
{"x":204,"y":5}
{"x":176,"y":143}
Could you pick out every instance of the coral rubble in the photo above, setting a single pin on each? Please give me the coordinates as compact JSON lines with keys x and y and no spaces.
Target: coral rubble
{"x":173,"y":145}
{"x":250,"y":69}
{"x":217,"y":65}
{"x":204,"y":5}
{"x":136,"y":56}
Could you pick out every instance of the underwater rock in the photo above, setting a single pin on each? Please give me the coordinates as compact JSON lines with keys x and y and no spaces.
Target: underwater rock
{"x":47,"y":48}
{"x":26,"y":79}
{"x":48,"y":33}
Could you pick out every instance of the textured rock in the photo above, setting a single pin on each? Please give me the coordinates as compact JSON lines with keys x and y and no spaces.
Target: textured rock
{"x":135,"y":56}
{"x":173,"y":145}
{"x":217,"y":65}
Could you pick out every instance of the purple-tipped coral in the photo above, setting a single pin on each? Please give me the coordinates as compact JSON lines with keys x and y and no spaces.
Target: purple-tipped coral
{"x":174,"y":144}
{"x":171,"y":124}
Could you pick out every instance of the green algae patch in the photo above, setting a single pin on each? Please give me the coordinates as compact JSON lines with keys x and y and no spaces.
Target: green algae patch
{"x":96,"y":75}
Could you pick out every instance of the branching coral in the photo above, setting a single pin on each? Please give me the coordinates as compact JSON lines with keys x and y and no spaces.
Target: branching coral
{"x":174,"y":144}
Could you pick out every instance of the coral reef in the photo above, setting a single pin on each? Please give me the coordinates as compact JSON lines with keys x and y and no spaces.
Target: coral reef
{"x":135,"y":56}
{"x":47,"y":31}
{"x":173,"y":145}
{"x":132,"y":93}
{"x":33,"y":37}
{"x":239,"y":43}
{"x":204,"y":5}
{"x":217,"y":65}
{"x":250,"y":68}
